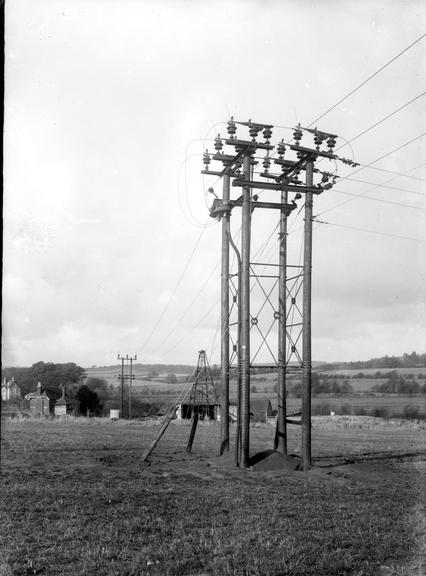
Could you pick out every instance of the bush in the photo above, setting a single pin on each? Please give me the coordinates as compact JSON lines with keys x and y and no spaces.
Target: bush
{"x":381,"y":412}
{"x":143,"y":409}
{"x":344,"y":409}
{"x":410,"y":412}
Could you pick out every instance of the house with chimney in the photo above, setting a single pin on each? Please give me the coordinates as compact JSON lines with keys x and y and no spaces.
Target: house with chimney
{"x":10,"y":390}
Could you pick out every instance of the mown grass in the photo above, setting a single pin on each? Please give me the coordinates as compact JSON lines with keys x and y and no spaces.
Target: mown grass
{"x":77,"y":500}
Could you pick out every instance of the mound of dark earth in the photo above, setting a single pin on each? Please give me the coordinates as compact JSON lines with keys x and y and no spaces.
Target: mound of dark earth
{"x":265,"y":461}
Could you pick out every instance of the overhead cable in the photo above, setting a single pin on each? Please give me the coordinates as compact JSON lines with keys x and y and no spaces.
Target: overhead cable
{"x":367,"y":80}
{"x":371,"y":231}
{"x":175,"y":288}
{"x":381,"y":121}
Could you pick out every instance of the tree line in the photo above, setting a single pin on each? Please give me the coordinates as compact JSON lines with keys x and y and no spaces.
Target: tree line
{"x":80,"y":391}
{"x":412,"y":360}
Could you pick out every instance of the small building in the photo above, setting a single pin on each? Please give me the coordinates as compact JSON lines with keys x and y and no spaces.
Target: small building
{"x":10,"y":390}
{"x":260,"y":410}
{"x":205,"y":411}
{"x":39,"y":402}
{"x":64,"y":405}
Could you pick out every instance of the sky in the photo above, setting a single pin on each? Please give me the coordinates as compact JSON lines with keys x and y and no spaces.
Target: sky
{"x":108,"y":247}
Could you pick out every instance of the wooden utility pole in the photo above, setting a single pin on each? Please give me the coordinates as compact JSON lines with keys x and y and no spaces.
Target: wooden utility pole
{"x":121,"y":386}
{"x":128,"y":377}
{"x":307,"y":305}
{"x":131,"y":377}
{"x":281,"y":440}
{"x":224,"y":364}
{"x":245,"y":312}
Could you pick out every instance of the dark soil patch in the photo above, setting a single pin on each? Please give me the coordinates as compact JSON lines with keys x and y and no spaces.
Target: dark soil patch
{"x":269,"y":460}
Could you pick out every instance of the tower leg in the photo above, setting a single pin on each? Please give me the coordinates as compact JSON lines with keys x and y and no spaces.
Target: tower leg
{"x":224,"y":375}
{"x":281,"y":436}
{"x":307,"y":358}
{"x":245,"y":321}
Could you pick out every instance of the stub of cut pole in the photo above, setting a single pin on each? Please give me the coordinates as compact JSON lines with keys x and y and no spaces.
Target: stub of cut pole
{"x":245,"y":316}
{"x":307,"y":338}
{"x":224,"y":362}
{"x":281,"y":437}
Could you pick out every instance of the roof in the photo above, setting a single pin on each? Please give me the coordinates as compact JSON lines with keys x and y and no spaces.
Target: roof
{"x":256,"y":404}
{"x":10,"y":384}
{"x":260,"y":404}
{"x":31,"y":395}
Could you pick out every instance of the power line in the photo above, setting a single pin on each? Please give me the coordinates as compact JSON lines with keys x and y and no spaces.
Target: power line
{"x":381,"y":120}
{"x":376,"y":185}
{"x":367,"y":166}
{"x":189,"y":307}
{"x":174,"y":346}
{"x":399,"y":173}
{"x":367,"y":80}
{"x":364,"y":166}
{"x":175,"y":288}
{"x":378,"y":200}
{"x":371,"y":231}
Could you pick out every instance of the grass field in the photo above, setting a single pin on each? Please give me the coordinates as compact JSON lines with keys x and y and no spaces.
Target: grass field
{"x":78,"y":500}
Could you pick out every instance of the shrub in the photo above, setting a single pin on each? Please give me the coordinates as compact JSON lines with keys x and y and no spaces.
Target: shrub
{"x":143,"y":409}
{"x":344,"y":409}
{"x":410,"y":412}
{"x":381,"y":412}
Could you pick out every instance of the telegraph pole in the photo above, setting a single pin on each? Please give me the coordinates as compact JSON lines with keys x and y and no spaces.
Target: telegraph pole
{"x":121,"y":386}
{"x":131,"y":377}
{"x":128,"y":377}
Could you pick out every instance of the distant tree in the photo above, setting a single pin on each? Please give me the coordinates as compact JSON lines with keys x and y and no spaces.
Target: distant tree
{"x":98,"y":385}
{"x":335,"y":387}
{"x":55,"y":374}
{"x":384,"y":388}
{"x":346,"y":387}
{"x":152,"y":374}
{"x":171,"y":379}
{"x":52,"y":376}
{"x":409,"y":387}
{"x":89,"y":400}
{"x":319,"y":385}
{"x":423,"y":390}
{"x":253,"y":389}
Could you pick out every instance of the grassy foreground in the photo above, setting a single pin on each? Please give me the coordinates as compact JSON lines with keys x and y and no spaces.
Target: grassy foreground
{"x":77,"y":500}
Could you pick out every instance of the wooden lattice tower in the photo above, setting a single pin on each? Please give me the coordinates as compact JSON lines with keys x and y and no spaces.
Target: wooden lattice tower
{"x":202,"y":399}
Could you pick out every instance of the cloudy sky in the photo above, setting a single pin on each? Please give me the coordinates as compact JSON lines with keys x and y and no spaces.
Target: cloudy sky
{"x":108,"y":246}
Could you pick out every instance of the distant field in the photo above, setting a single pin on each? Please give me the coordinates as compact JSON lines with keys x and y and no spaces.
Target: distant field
{"x":393,"y":405}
